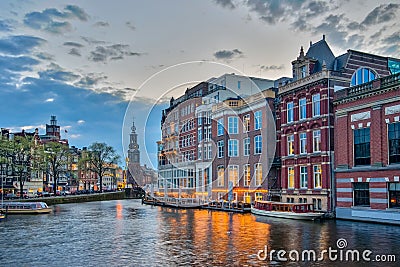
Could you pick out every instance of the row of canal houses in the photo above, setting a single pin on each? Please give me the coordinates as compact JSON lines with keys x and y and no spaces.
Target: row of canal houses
{"x":329,"y":135}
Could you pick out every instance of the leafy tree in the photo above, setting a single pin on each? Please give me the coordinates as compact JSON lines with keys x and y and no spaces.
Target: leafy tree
{"x":55,"y":159}
{"x":100,"y":156}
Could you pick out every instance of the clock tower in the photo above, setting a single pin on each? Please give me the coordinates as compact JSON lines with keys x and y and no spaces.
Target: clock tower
{"x":133,"y":151}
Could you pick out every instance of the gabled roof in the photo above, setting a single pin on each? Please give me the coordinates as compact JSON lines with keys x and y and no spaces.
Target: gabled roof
{"x":321,"y":52}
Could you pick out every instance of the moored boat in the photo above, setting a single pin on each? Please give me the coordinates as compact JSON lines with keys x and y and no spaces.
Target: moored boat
{"x":25,"y":208}
{"x":2,"y":216}
{"x":298,"y":211}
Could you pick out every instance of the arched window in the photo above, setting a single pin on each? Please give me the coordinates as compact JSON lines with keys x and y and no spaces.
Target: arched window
{"x":362,"y":75}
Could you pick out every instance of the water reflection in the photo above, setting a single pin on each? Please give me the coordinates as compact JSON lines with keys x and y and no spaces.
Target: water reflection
{"x":125,"y":233}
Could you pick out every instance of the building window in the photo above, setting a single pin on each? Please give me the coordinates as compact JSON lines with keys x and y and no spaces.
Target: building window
{"x":361,"y":194}
{"x":232,"y":148}
{"x":246,"y":123}
{"x":258,"y":196}
{"x":221,"y":178}
{"x":258,"y":174}
{"x":303,"y":143}
{"x":290,"y":144}
{"x":317,"y":176}
{"x":289,"y":111}
{"x":303,"y":177}
{"x":394,"y":195}
{"x":302,"y":108}
{"x":246,"y":146}
{"x":394,"y":142}
{"x":362,"y":75}
{"x":362,"y":154}
{"x":232,"y":125}
{"x":317,"y":141}
{"x":220,"y":145}
{"x":233,"y":174}
{"x":290,"y":177}
{"x":246,"y":175}
{"x":316,"y":105}
{"x":303,"y":71}
{"x":199,"y":152}
{"x":220,"y":126}
{"x":247,"y":197}
{"x":257,"y":144}
{"x":209,"y":151}
{"x":199,"y":134}
{"x":200,"y":118}
{"x":257,"y":120}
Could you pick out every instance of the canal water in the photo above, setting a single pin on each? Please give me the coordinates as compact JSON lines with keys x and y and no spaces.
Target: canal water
{"x":126,"y":233}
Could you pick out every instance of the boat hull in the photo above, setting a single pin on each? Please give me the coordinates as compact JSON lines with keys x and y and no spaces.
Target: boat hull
{"x":21,"y":211}
{"x":287,"y":214}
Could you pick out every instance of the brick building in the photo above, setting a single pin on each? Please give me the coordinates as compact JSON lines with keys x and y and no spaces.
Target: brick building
{"x":367,"y":155}
{"x":306,"y":119}
{"x":244,"y":134}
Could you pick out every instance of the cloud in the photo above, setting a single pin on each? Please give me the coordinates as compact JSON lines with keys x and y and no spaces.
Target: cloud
{"x":272,"y":11}
{"x":6,"y":25}
{"x":73,"y":44}
{"x":226,"y":3}
{"x":228,"y":54}
{"x":45,"y":56}
{"x":381,"y":14}
{"x":16,"y":64}
{"x":92,"y":41}
{"x":111,"y":52}
{"x":392,"y":39}
{"x":74,"y":136}
{"x":55,"y":72}
{"x":75,"y":52}
{"x":272,"y":67}
{"x":90,"y":80}
{"x":130,"y":25}
{"x":53,"y":20}
{"x":19,"y":44}
{"x":80,"y":121}
{"x":101,"y":24}
{"x":49,"y":100}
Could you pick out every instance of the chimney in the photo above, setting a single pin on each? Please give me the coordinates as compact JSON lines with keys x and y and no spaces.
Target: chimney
{"x":323,"y":37}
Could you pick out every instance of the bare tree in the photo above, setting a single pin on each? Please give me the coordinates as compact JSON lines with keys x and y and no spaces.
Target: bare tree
{"x":55,"y":157}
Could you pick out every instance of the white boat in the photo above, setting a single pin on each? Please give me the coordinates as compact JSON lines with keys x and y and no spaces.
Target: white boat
{"x":25,"y":208}
{"x":298,"y":211}
{"x":2,"y":216}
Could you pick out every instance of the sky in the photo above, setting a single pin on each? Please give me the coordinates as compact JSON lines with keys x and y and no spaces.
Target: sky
{"x":96,"y":65}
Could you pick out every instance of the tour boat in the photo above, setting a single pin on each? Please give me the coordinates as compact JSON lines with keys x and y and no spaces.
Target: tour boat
{"x":298,"y":211}
{"x":25,"y":208}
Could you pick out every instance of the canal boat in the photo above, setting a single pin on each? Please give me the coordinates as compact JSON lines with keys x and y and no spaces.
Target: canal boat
{"x":298,"y":211}
{"x":25,"y":208}
{"x":2,"y":216}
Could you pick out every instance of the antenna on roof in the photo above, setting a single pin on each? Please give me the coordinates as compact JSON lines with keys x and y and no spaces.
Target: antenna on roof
{"x":323,"y":37}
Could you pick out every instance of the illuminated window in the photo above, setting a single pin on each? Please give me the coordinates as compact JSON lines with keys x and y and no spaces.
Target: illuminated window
{"x":246,"y":175}
{"x":246,"y":123}
{"x":317,"y":176}
{"x":290,"y":144}
{"x":362,"y":75}
{"x":233,"y":174}
{"x":290,"y":177}
{"x":258,"y":196}
{"x":221,"y":178}
{"x":258,"y":174}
